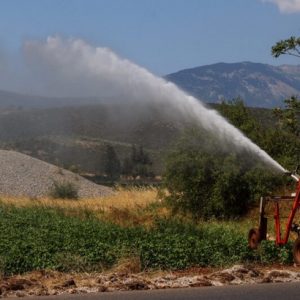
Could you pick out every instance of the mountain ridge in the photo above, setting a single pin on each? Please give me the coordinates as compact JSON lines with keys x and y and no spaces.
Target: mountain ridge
{"x":258,"y":84}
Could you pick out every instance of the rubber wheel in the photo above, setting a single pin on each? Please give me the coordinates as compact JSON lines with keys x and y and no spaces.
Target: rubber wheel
{"x":296,"y":251}
{"x":253,"y":238}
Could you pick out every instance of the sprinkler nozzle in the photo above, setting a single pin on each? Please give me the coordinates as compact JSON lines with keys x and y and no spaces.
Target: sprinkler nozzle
{"x":294,"y":175}
{"x":288,"y":173}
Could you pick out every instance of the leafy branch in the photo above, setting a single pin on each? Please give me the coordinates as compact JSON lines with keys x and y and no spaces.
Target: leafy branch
{"x":289,"y":46}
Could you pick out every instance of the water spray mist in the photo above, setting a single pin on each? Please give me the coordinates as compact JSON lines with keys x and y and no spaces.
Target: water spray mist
{"x":73,"y":67}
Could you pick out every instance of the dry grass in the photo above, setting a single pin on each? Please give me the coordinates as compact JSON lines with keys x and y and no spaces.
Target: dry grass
{"x":127,"y":265}
{"x":138,"y":206}
{"x":125,"y":206}
{"x":122,"y":198}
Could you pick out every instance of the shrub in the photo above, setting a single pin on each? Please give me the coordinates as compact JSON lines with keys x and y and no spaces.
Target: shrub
{"x":64,"y":190}
{"x":206,"y":184}
{"x":210,"y":183}
{"x":270,"y":253}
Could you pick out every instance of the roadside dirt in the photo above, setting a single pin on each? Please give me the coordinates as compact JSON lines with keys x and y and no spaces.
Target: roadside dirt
{"x":43,"y":283}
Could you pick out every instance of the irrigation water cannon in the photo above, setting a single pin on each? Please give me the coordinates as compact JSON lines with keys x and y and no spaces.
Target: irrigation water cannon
{"x":256,"y":235}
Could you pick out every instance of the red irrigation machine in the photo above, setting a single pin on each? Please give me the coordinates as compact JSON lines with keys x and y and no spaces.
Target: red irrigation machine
{"x":256,"y":235}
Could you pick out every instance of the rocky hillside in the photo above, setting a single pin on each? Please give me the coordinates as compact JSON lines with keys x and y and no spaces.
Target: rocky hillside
{"x":260,"y":85}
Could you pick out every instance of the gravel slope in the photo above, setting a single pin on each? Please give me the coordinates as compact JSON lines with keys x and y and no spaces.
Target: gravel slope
{"x":22,"y":175}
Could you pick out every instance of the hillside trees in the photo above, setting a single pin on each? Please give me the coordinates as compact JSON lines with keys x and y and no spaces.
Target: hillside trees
{"x":112,"y":164}
{"x":279,"y":136}
{"x":138,"y":163}
{"x":239,"y":116}
{"x":288,"y":120}
{"x":289,"y":117}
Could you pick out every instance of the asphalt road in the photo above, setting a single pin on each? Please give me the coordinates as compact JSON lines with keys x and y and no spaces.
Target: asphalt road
{"x":278,"y":291}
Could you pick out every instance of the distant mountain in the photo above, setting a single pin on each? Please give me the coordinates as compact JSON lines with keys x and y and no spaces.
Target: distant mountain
{"x":259,"y":85}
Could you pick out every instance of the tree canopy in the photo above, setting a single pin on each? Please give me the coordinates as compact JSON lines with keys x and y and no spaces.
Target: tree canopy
{"x":290,"y":46}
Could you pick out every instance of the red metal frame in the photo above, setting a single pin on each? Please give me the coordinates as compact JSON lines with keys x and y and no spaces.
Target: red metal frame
{"x":296,"y":205}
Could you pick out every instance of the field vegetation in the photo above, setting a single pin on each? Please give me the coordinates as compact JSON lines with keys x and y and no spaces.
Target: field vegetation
{"x":134,"y":225}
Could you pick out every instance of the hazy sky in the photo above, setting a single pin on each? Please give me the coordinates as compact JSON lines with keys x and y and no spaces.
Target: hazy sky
{"x":162,"y":35}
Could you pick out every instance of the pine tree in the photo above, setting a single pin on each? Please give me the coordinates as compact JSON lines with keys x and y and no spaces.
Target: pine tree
{"x":112,"y":165}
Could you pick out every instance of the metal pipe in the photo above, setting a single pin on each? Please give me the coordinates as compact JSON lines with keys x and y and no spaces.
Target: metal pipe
{"x":295,"y":177}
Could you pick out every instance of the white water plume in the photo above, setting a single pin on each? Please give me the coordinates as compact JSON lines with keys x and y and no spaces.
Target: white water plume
{"x":75,"y":68}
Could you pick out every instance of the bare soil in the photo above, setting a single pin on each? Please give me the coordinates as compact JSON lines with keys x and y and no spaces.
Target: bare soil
{"x":46,"y":282}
